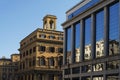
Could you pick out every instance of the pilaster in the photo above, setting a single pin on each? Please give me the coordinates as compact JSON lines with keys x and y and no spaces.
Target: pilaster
{"x":73,"y":44}
{"x":82,"y":41}
{"x":93,"y":41}
{"x":106,"y":32}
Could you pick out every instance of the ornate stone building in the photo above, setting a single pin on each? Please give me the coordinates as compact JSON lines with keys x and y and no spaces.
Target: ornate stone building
{"x":9,"y":67}
{"x":41,"y":53}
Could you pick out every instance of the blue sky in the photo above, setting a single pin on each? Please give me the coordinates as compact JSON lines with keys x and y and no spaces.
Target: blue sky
{"x":18,"y":18}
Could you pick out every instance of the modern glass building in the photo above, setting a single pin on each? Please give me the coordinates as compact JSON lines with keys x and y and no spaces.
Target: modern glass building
{"x":92,"y":41}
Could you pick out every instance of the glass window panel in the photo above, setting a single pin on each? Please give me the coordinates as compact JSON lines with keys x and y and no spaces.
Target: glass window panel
{"x":113,"y":65}
{"x":98,"y":78}
{"x":77,"y":42}
{"x":76,"y":70}
{"x":86,"y":68}
{"x":99,"y":34}
{"x":98,"y":67}
{"x":68,"y":45}
{"x":87,"y":54}
{"x":114,"y":29}
{"x":113,"y":77}
{"x":83,"y":8}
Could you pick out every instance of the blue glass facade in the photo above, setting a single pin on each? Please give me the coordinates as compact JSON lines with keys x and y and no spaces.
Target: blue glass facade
{"x":77,"y":42}
{"x":99,"y":33}
{"x":97,"y":39}
{"x":83,"y":8}
{"x":68,"y":40}
{"x":114,"y":29}
{"x":87,"y":38}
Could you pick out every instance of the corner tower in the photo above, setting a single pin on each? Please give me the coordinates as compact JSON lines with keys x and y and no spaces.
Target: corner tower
{"x":49,"y":22}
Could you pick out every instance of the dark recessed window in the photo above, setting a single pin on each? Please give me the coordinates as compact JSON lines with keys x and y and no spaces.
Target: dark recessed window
{"x":26,"y":52}
{"x":76,"y":70}
{"x":42,"y":48}
{"x":42,"y":36}
{"x":34,"y":49}
{"x":51,"y":49}
{"x":42,"y":61}
{"x":52,"y":37}
{"x":51,"y":61}
{"x":30,"y":51}
{"x":60,"y":50}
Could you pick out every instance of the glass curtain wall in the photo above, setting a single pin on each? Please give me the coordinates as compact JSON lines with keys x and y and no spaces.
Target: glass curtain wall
{"x":77,"y":42}
{"x":87,"y":48}
{"x":99,"y":33}
{"x":114,"y":29}
{"x":68,"y":40}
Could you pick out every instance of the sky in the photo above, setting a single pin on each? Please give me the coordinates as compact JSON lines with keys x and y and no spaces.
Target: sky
{"x":18,"y":18}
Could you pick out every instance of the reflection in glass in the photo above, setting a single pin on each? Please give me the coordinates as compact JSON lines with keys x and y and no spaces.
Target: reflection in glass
{"x":77,"y":42}
{"x":99,"y":34}
{"x":87,"y":47}
{"x":114,"y":29}
{"x":86,"y":68}
{"x":98,"y":67}
{"x":68,"y":45}
{"x":98,"y":78}
{"x":113,"y":65}
{"x":113,"y":77}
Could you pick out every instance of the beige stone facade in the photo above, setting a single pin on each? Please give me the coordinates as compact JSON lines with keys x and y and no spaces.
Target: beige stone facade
{"x":41,"y":53}
{"x":9,"y":67}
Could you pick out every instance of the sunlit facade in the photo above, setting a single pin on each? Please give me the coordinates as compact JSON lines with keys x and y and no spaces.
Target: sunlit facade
{"x":92,"y":41}
{"x":41,"y":53}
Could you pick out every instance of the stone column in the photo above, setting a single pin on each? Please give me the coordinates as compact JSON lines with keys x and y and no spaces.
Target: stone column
{"x":72,"y":44}
{"x":93,"y":42}
{"x":55,"y":60}
{"x":81,"y":41}
{"x":106,"y":32}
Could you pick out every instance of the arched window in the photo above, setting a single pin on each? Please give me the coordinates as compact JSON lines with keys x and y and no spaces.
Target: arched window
{"x":51,"y":61}
{"x":42,"y":61}
{"x":51,"y":24}
{"x":45,"y":24}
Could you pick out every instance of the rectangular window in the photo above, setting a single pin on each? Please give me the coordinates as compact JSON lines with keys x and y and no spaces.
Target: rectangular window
{"x":114,"y":29}
{"x":113,"y":65}
{"x":30,"y":51}
{"x":77,"y":42}
{"x":34,"y":49}
{"x":68,"y":40}
{"x":87,"y":47}
{"x":98,"y":78}
{"x":60,"y":50}
{"x":98,"y":67}
{"x":67,"y":71}
{"x":42,"y":48}
{"x":99,"y":34}
{"x":52,"y":49}
{"x":113,"y":77}
{"x":86,"y":68}
{"x":76,"y":70}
